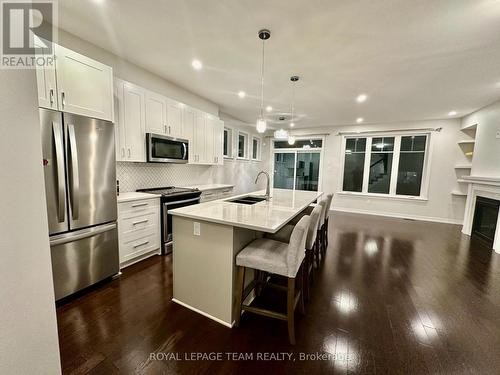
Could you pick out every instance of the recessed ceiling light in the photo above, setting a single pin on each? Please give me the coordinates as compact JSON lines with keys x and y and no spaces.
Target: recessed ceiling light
{"x":359,"y":120}
{"x":242,"y":94}
{"x":269,"y":108}
{"x":292,"y":124}
{"x":197,"y":64}
{"x":361,"y":98}
{"x":452,"y":113}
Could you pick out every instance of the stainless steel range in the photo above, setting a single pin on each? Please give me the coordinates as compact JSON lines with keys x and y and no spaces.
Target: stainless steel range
{"x":172,"y":197}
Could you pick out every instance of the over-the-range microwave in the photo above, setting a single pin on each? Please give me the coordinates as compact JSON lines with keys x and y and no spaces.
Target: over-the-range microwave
{"x":165,"y":149}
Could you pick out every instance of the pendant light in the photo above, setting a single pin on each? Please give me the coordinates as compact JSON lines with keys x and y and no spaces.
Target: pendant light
{"x":294,"y":79}
{"x":264,"y":35}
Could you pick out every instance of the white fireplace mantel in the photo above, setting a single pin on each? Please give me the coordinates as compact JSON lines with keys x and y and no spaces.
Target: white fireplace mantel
{"x":487,"y":187}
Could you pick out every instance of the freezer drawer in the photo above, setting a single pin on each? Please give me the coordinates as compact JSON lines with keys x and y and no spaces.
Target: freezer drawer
{"x":84,"y":257}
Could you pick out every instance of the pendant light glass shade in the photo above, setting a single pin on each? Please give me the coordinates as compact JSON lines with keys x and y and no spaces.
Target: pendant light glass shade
{"x":261,"y":125}
{"x":291,"y":140}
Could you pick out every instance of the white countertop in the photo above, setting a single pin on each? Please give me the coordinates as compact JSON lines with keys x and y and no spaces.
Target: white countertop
{"x":207,"y":187}
{"x":266,"y":216}
{"x":135,"y":196}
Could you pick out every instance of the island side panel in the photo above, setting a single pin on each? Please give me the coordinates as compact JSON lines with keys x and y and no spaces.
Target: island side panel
{"x":203,"y":268}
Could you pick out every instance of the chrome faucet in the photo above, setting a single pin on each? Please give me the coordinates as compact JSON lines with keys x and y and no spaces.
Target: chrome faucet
{"x":268,"y":190}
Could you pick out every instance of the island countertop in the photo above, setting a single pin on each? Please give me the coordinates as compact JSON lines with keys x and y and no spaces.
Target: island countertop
{"x":266,"y":216}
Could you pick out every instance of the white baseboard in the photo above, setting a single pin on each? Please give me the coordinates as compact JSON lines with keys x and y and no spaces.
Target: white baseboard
{"x":230,"y":325}
{"x":401,"y":216}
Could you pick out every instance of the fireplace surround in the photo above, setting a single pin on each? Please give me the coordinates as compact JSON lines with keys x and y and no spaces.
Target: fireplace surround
{"x":482,"y":189}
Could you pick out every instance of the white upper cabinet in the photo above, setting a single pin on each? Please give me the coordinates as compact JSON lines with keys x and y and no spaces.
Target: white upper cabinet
{"x":198,"y":148}
{"x":174,"y":118}
{"x":85,"y":86}
{"x":46,"y":78}
{"x":219,"y":141}
{"x":209,"y":140}
{"x":139,"y":111}
{"x":156,"y":113}
{"x":130,"y":125}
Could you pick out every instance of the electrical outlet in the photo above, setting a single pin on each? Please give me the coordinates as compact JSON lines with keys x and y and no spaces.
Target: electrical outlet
{"x":196,"y":228}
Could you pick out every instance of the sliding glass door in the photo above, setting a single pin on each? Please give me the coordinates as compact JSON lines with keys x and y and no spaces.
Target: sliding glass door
{"x":297,"y":169}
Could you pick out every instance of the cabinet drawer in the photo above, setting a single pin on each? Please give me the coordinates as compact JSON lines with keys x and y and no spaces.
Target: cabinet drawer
{"x":132,"y":249}
{"x":130,"y":223}
{"x":133,"y":235}
{"x":139,"y":206}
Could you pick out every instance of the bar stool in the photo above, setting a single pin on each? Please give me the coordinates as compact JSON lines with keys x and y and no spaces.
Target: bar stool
{"x":312,"y":244}
{"x":278,"y":258}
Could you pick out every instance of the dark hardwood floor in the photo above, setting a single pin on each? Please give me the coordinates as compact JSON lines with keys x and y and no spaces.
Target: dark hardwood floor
{"x":392,"y":297}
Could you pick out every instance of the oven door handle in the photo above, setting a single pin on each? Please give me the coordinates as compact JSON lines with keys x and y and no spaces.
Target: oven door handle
{"x":181,"y":202}
{"x":184,"y":147}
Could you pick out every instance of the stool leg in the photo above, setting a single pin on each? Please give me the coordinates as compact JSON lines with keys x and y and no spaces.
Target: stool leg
{"x":326,"y":230}
{"x":240,"y":281}
{"x":301,"y":285}
{"x":308,"y":262}
{"x":291,"y":310}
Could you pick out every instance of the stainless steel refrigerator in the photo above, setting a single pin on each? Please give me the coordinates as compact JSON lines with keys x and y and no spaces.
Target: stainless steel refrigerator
{"x":80,"y":185}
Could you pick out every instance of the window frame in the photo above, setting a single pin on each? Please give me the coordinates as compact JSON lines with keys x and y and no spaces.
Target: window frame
{"x":246,"y":145}
{"x":424,"y":186}
{"x":259,"y":148}
{"x":230,"y":145}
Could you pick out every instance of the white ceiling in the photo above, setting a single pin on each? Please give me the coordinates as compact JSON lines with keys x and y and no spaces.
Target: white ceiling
{"x":416,"y":59}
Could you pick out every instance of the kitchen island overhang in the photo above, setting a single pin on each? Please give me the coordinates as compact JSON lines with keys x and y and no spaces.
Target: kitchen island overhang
{"x":207,"y":238}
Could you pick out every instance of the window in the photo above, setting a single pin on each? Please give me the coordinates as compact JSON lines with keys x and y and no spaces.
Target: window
{"x":385,"y":165}
{"x":242,"y":145}
{"x":381,"y":165}
{"x":255,"y":148}
{"x":297,"y":166}
{"x":354,"y":164}
{"x":411,"y":165}
{"x":228,"y":143}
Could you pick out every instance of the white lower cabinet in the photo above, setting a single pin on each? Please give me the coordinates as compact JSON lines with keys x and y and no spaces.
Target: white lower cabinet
{"x":214,"y":194}
{"x":138,"y":230}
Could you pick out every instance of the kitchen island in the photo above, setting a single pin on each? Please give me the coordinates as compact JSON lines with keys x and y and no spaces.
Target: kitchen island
{"x":208,"y":236}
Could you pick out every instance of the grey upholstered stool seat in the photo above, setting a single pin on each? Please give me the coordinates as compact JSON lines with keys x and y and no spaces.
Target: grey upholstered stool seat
{"x":312,"y":241}
{"x":267,"y":255}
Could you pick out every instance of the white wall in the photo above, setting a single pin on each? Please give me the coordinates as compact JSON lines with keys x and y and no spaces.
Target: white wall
{"x":135,"y":74}
{"x":28,"y":331}
{"x":486,"y":160}
{"x":441,"y":205}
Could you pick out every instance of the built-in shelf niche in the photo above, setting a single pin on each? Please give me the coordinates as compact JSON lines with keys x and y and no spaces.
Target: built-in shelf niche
{"x":464,"y":169}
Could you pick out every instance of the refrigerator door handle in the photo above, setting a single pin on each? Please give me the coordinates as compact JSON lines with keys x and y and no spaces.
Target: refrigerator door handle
{"x":81,"y":234}
{"x":75,"y":179}
{"x":58,"y":145}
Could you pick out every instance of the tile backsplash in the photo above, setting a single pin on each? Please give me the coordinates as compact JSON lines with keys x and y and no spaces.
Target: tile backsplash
{"x":133,"y":176}
{"x":241,"y":174}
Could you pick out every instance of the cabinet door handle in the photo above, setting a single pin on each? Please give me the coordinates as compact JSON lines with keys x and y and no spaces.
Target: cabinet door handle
{"x":169,"y":130}
{"x":123,"y":152}
{"x":141,"y":244}
{"x":129,"y":152}
{"x":165,"y":129}
{"x":51,"y":96}
{"x":140,"y":222}
{"x":139,"y":205}
{"x":63,"y":99}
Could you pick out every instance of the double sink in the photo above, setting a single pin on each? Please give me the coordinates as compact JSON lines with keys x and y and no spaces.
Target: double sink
{"x":249,"y":199}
